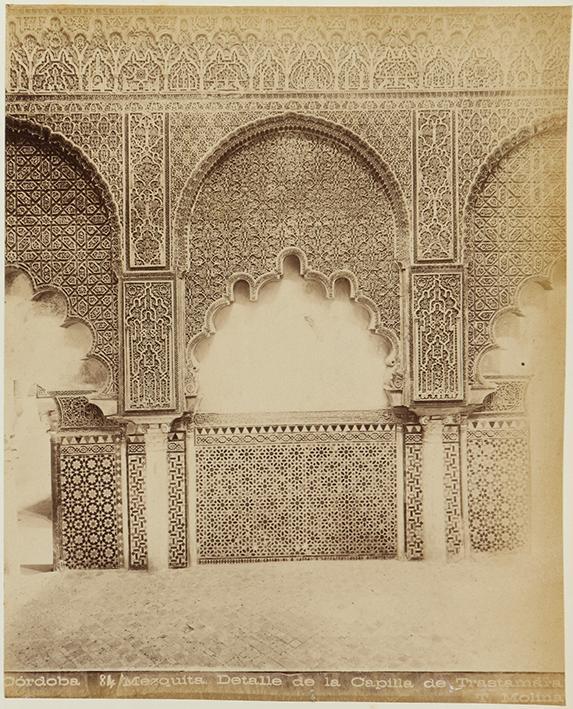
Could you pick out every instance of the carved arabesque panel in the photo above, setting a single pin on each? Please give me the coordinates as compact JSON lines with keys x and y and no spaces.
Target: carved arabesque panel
{"x":275,"y":492}
{"x":77,"y":412}
{"x":515,"y":223}
{"x":436,"y":226}
{"x":147,"y":189}
{"x":61,"y":229}
{"x":193,"y":134}
{"x":289,"y":188}
{"x":509,"y":397}
{"x":438,"y":336}
{"x":148,"y":314}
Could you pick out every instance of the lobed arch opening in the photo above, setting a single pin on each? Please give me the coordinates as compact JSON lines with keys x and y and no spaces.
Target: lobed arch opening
{"x":68,"y":214}
{"x":524,"y":244}
{"x":297,"y":184}
{"x":51,"y":350}
{"x":291,"y":329}
{"x":528,"y":337}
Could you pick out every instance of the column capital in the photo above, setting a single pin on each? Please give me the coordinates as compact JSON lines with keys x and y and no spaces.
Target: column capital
{"x":447,"y":413}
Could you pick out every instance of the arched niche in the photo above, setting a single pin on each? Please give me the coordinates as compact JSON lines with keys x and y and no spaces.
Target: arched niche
{"x":62,"y":230}
{"x":515,"y":229}
{"x":292,"y":182}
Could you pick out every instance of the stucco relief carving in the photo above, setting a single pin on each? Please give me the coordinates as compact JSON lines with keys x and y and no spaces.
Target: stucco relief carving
{"x":226,"y":141}
{"x":286,"y":183}
{"x":195,"y":51}
{"x":393,"y":360}
{"x":503,"y":248}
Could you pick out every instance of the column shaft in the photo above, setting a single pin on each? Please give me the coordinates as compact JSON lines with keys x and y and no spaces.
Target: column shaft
{"x":157,"y":500}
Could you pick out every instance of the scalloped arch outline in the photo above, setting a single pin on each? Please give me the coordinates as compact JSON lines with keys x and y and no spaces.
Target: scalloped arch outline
{"x":545,"y":282}
{"x":255,"y":285}
{"x":305,"y":123}
{"x":520,"y":137}
{"x":67,"y":320}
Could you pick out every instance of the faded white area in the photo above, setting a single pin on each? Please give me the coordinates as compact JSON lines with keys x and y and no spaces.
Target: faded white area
{"x":292,"y":350}
{"x":39,"y":352}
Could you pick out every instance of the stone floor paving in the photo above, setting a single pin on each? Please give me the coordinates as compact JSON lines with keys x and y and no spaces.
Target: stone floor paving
{"x":495,"y":614}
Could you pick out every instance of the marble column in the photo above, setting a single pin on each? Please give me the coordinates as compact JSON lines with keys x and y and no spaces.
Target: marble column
{"x":433,"y":489}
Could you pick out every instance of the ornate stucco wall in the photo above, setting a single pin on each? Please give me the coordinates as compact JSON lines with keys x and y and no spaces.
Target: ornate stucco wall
{"x":418,"y":153}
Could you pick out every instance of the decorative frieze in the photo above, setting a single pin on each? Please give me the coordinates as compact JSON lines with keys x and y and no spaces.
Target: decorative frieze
{"x":257,"y":50}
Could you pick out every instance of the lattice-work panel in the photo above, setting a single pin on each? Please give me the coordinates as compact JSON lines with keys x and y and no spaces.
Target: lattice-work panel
{"x":136,"y":501}
{"x":296,"y":492}
{"x":498,"y":483}
{"x":452,"y":489}
{"x":177,"y":500}
{"x":87,"y":490}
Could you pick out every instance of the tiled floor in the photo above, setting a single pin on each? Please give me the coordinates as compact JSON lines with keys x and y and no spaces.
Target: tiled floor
{"x":496,"y":614}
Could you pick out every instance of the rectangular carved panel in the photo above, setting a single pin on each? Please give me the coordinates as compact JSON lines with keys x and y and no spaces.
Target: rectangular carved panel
{"x":177,"y":500}
{"x":149,"y":345}
{"x":498,"y":483}
{"x":452,"y":489}
{"x":136,"y":501}
{"x":296,"y":492}
{"x":413,"y":510}
{"x":437,"y":336}
{"x":87,"y":496}
{"x":147,"y":199}
{"x":435,"y":213}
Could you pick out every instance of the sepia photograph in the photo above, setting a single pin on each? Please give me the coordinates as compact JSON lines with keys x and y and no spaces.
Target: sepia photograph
{"x":284,"y":352}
